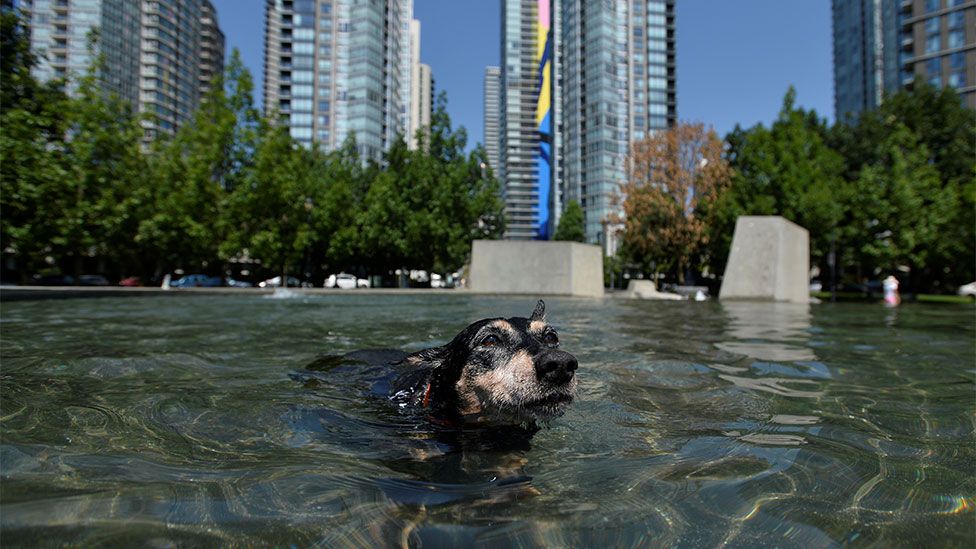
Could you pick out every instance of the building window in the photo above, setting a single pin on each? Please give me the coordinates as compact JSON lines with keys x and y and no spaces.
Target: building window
{"x":956,"y":39}
{"x":957,"y":61}
{"x":957,"y":79}
{"x":932,"y":5}
{"x":933,"y":67}
{"x":323,"y":106}
{"x":933,"y":44}
{"x":957,"y":19}
{"x":932,"y":26}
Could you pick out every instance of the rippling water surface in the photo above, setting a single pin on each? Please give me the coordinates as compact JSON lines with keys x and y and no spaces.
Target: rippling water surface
{"x":189,"y":420}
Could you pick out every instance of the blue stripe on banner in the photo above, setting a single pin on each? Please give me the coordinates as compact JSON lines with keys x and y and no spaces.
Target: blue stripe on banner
{"x":544,"y":180}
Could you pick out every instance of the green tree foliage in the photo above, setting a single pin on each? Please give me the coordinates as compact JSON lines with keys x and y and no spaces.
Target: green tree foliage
{"x":944,"y":132}
{"x":193,"y":172}
{"x":99,"y":199}
{"x":274,"y":204}
{"x":901,"y":212}
{"x":789,"y":170}
{"x":571,"y":224}
{"x":32,"y":161}
{"x":423,"y":209}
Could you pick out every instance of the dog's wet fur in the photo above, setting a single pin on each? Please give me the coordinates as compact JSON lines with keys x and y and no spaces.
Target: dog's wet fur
{"x":497,"y":371}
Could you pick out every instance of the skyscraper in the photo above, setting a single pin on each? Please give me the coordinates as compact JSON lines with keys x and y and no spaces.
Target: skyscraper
{"x":491,"y":114}
{"x":525,"y":103}
{"x":939,"y":45}
{"x":421,"y":88}
{"x":881,"y":46}
{"x":340,"y":67}
{"x":580,"y":80}
{"x":155,"y":52}
{"x":619,"y":82}
{"x":211,"y":47}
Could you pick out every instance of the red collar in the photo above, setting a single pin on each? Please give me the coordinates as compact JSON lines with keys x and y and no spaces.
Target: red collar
{"x":426,"y":402}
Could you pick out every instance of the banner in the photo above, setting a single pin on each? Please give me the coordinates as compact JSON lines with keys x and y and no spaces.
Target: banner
{"x":543,"y":114}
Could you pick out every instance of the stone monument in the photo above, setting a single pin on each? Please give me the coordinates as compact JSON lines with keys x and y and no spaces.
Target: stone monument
{"x":536,"y":267}
{"x":769,"y":260}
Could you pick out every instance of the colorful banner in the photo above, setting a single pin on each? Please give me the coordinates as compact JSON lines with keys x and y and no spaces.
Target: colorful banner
{"x":543,"y":114}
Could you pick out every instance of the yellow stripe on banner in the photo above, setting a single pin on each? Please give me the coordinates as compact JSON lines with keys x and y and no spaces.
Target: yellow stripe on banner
{"x":545,"y":98}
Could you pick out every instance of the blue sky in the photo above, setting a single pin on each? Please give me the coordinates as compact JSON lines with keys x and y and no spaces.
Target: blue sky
{"x":735,"y":59}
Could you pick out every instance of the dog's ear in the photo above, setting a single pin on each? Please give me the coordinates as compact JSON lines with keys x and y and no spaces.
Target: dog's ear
{"x":540,"y":311}
{"x":435,"y":357}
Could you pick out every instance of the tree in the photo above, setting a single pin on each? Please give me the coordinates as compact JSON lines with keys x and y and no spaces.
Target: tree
{"x":274,"y":204}
{"x":674,"y":177}
{"x":789,"y":170}
{"x":32,"y":133}
{"x":900,"y":214}
{"x":104,"y":167}
{"x":943,"y":130}
{"x":425,"y":206}
{"x":571,"y":224}
{"x":194,"y":171}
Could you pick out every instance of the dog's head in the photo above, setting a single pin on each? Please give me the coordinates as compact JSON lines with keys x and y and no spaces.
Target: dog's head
{"x":501,"y":370}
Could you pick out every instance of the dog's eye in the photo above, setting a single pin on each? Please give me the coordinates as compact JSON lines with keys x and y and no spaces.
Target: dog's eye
{"x":490,"y":341}
{"x":550,"y":339}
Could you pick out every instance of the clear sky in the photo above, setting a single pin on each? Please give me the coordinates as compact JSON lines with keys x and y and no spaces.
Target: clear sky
{"x":735,"y":59}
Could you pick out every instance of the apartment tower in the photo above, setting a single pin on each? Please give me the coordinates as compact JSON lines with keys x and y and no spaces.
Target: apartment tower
{"x":580,"y":80}
{"x":339,"y":68}
{"x":159,"y":54}
{"x":492,"y":87}
{"x":881,"y":46}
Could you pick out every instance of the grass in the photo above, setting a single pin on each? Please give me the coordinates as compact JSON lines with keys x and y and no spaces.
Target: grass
{"x":921,"y":298}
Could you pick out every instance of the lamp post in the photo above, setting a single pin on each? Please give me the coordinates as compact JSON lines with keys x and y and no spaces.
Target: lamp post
{"x":309,"y":204}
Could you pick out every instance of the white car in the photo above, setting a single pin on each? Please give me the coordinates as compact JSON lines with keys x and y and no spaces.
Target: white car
{"x":968,"y":289}
{"x":341,"y":280}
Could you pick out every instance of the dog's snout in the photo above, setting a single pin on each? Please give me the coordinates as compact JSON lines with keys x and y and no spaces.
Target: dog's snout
{"x":556,"y":367}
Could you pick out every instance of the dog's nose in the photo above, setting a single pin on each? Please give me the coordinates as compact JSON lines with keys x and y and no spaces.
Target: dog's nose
{"x":556,"y":367}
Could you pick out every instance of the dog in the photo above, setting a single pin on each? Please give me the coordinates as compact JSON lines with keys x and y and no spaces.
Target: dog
{"x":496,"y":372}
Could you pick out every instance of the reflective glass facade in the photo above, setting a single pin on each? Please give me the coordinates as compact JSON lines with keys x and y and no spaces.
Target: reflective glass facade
{"x":881,"y":46}
{"x":334,"y":68}
{"x":156,"y":51}
{"x":619,"y":84}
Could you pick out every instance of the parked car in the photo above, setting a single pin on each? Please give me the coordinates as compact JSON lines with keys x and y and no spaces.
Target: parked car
{"x":92,"y":280}
{"x":131,"y":281}
{"x":54,"y":280}
{"x":968,"y":289}
{"x":276,"y":282}
{"x":344,"y":281}
{"x":233,"y":283}
{"x":197,"y":281}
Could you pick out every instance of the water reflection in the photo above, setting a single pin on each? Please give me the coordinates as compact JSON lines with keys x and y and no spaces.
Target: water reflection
{"x":129,"y":422}
{"x":768,"y":331}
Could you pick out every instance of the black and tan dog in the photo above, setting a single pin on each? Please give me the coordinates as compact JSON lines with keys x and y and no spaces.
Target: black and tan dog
{"x":497,"y":371}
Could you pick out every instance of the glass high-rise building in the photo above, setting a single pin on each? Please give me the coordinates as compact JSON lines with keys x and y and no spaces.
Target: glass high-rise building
{"x":340,"y":67}
{"x":491,"y":114}
{"x":211,"y":47}
{"x":612,"y":81}
{"x":881,"y":46}
{"x":155,"y":51}
{"x":619,"y":84}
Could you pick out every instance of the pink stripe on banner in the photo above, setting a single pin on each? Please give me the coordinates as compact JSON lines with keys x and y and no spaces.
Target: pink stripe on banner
{"x":544,"y":13}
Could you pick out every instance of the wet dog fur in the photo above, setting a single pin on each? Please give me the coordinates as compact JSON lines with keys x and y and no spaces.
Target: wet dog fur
{"x":497,"y":371}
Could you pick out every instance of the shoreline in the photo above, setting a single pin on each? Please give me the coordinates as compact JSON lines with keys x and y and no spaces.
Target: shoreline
{"x":33,"y":293}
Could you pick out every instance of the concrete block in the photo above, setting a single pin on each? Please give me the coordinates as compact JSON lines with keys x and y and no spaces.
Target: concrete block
{"x":769,"y":261}
{"x":536,"y":268}
{"x":646,"y":289}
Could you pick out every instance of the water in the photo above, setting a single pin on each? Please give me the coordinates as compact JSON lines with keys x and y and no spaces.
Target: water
{"x":188,"y":420}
